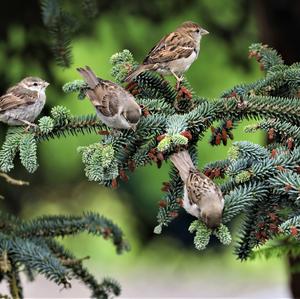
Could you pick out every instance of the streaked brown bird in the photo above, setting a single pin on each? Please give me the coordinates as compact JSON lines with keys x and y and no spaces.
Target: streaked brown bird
{"x":115,"y":106}
{"x":202,"y":197}
{"x":174,"y":53}
{"x":23,"y":102}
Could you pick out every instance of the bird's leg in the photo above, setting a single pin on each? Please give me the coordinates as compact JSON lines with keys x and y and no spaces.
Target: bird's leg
{"x":178,"y":80}
{"x":182,"y":92}
{"x":28,"y":123}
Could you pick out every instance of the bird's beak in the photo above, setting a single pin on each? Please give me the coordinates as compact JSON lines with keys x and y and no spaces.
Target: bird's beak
{"x":46,"y":84}
{"x":203,"y":31}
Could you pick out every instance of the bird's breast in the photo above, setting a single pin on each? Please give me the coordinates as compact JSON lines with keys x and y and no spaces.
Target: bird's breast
{"x":182,"y":65}
{"x":191,"y":208}
{"x":116,"y":121}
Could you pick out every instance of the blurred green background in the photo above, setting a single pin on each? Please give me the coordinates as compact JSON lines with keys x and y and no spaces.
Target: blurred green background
{"x":59,"y":185}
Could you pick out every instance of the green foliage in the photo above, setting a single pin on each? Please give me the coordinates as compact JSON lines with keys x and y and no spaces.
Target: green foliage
{"x":61,"y":26}
{"x":122,"y":63}
{"x":78,"y":86}
{"x":10,"y":148}
{"x":203,"y":233}
{"x":171,"y":141}
{"x":60,"y":124}
{"x":46,"y":124}
{"x":28,"y":152}
{"x":260,"y":183}
{"x":99,"y":161}
{"x":31,"y":247}
{"x":223,"y":234}
{"x":61,"y":114}
{"x":268,"y":58}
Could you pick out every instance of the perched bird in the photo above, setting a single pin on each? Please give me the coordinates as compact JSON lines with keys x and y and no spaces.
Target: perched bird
{"x":23,"y":102}
{"x":202,"y":197}
{"x":114,"y":105}
{"x":174,"y":53}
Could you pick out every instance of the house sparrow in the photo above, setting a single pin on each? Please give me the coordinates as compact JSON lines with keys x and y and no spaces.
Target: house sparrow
{"x":23,"y":102}
{"x":174,"y":53}
{"x":202,"y":197}
{"x":114,"y":105}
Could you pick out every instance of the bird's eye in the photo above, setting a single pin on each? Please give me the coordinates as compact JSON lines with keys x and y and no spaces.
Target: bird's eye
{"x":35,"y":84}
{"x":198,"y":30}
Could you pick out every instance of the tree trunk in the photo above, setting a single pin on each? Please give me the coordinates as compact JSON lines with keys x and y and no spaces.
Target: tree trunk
{"x":294,"y":278}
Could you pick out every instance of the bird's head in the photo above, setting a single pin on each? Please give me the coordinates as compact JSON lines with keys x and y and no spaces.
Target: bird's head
{"x":34,"y":83}
{"x":194,"y":30}
{"x":211,"y":214}
{"x":132,"y":115}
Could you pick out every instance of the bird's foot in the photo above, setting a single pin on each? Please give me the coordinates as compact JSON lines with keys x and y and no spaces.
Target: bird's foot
{"x":178,"y":85}
{"x":29,"y":125}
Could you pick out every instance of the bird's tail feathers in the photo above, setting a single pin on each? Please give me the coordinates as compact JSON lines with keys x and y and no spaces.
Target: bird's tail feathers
{"x":140,"y":69}
{"x":183,"y":162}
{"x":89,"y":76}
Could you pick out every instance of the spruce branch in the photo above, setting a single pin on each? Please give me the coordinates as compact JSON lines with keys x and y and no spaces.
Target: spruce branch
{"x":35,"y":257}
{"x":13,"y":181}
{"x":265,"y":55}
{"x":61,"y":123}
{"x":171,"y":203}
{"x":243,"y":197}
{"x":255,"y":176}
{"x":61,"y":27}
{"x":99,"y":290}
{"x":30,"y":247}
{"x":287,"y":183}
{"x":10,"y":148}
{"x":60,"y":226}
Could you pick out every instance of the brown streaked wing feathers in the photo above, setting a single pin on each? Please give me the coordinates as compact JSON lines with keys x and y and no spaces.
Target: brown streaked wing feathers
{"x":100,"y":93}
{"x":16,"y":97}
{"x":104,"y":98}
{"x":171,"y":47}
{"x":196,"y":185}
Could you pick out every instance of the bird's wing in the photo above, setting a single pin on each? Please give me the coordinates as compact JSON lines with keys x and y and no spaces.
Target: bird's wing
{"x":198,"y":184}
{"x":105,"y":98}
{"x":17,"y":96}
{"x":195,"y":187}
{"x":171,"y":47}
{"x":102,"y":93}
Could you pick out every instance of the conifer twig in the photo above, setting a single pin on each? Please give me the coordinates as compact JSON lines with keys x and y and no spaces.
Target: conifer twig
{"x":13,"y":181}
